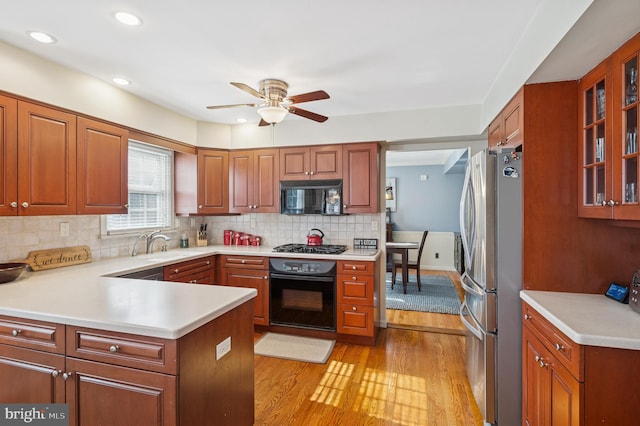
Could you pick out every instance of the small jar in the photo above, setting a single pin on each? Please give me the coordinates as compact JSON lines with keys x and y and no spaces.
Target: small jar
{"x":184,"y":241}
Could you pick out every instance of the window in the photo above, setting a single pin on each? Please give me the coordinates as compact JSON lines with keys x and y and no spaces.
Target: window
{"x":150,"y":191}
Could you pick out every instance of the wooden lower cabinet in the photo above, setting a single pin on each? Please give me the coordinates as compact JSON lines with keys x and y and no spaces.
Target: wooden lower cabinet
{"x":249,"y":272}
{"x":551,"y":395}
{"x":111,"y":378}
{"x":356,"y":299}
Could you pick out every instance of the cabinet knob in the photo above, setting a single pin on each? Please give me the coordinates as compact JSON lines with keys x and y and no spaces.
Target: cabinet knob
{"x":354,"y":278}
{"x":66,"y":375}
{"x":354,"y":308}
{"x":200,"y":206}
{"x":540,"y":361}
{"x":14,"y":204}
{"x":114,"y":348}
{"x":612,"y":203}
{"x":311,"y":173}
{"x":208,"y":262}
{"x":25,"y":204}
{"x":55,"y":373}
{"x":266,"y":277}
{"x":243,"y":261}
{"x":527,"y":316}
{"x":559,"y":347}
{"x":353,"y":267}
{"x":344,"y":206}
{"x":14,"y":333}
{"x":126,"y":206}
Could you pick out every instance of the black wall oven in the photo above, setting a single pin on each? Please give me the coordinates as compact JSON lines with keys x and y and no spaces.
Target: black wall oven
{"x":303,"y":293}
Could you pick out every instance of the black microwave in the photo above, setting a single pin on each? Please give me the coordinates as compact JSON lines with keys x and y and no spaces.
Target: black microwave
{"x":311,"y":197}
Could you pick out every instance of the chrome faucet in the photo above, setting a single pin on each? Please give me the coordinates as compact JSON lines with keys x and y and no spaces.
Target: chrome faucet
{"x":152,"y":237}
{"x":149,"y":239}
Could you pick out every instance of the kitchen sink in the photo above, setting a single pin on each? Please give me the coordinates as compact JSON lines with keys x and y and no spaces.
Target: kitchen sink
{"x":170,"y":255}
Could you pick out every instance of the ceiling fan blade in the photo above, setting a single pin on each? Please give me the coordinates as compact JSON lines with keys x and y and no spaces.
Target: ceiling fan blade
{"x":308,"y":97}
{"x":230,"y":106}
{"x":308,"y":114}
{"x":263,"y":123}
{"x":250,"y":90}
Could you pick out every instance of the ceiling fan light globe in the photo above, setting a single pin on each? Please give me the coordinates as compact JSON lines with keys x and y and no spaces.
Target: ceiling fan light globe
{"x":272,"y":114}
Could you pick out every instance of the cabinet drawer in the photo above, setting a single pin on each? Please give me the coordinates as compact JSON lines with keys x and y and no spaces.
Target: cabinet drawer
{"x":249,"y":262}
{"x":129,"y":350}
{"x":355,"y":288}
{"x":178,"y":271}
{"x":355,"y":319}
{"x":569,"y":353}
{"x":351,"y":266}
{"x":32,"y":334}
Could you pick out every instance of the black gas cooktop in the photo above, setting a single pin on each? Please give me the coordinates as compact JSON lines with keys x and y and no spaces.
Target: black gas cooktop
{"x":303,"y":248}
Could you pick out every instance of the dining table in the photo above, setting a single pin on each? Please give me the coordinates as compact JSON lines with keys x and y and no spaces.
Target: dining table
{"x":402,"y":248}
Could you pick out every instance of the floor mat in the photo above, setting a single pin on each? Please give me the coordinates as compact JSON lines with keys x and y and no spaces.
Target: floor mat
{"x":297,"y":348}
{"x":438,"y":294}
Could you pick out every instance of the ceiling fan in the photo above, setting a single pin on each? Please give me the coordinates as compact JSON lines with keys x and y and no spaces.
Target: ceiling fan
{"x":276,"y":104}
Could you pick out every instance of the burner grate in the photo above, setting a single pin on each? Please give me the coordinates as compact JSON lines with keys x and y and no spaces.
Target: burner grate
{"x":303,"y":248}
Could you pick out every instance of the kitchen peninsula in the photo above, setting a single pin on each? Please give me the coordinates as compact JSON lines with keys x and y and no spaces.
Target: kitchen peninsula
{"x":126,"y":351}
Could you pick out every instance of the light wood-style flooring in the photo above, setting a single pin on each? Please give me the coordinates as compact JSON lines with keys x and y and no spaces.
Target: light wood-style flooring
{"x":414,"y":375}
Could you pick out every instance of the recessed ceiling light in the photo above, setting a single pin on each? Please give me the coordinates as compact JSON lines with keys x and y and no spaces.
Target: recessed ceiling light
{"x":128,"y":18}
{"x":121,"y":81}
{"x":241,"y":120}
{"x":42,"y":37}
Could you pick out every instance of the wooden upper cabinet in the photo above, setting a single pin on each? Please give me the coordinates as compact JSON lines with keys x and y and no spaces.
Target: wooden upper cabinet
{"x":360,"y":178}
{"x":46,"y":160}
{"x":253,"y":180}
{"x":311,"y":162}
{"x":507,"y":128}
{"x":202,"y":182}
{"x":102,"y":168}
{"x":8,"y":156}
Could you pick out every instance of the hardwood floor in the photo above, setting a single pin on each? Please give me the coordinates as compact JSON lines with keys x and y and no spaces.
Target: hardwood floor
{"x":427,"y":321}
{"x":408,"y":378}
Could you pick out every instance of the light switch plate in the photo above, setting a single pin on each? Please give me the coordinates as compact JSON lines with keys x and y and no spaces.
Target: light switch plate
{"x":223,"y":348}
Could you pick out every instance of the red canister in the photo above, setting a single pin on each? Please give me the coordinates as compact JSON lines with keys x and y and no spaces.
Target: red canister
{"x":255,"y":240}
{"x":228,"y":234}
{"x":236,"y":238}
{"x":245,"y":240}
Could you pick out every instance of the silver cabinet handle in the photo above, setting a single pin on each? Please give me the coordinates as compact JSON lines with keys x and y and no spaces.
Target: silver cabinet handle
{"x":25,"y":204}
{"x":306,"y":173}
{"x":126,"y":206}
{"x":612,"y":203}
{"x":114,"y":348}
{"x":540,"y":361}
{"x":55,"y":373}
{"x":14,"y":333}
{"x":311,"y":173}
{"x":14,"y":204}
{"x":559,"y":347}
{"x":66,"y":375}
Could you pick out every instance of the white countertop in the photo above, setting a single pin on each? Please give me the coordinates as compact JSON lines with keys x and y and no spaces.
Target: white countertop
{"x":88,"y":295}
{"x":588,"y":319}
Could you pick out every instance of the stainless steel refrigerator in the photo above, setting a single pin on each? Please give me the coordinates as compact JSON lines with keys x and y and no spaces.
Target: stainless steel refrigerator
{"x":491,"y":230}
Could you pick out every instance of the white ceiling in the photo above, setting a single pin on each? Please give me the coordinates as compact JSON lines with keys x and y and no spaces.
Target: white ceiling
{"x":369,"y":55}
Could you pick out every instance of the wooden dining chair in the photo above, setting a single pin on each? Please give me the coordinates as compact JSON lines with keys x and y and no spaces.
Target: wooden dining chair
{"x":410,"y":265}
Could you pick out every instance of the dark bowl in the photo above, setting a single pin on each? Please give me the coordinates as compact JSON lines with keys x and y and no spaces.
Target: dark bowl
{"x":11,"y":271}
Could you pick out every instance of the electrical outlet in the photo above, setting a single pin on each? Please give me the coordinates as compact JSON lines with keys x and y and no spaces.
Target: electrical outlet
{"x":423,"y":178}
{"x":64,"y":229}
{"x":253,"y":223}
{"x":223,"y":348}
{"x":374,"y":225}
{"x":437,"y":255}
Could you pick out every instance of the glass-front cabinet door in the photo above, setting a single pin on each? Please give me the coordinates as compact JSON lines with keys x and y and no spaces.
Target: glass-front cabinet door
{"x":595,"y":150}
{"x":626,"y":132}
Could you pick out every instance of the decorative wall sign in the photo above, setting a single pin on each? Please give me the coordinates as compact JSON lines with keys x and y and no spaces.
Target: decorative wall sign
{"x":365,"y":243}
{"x":58,"y":257}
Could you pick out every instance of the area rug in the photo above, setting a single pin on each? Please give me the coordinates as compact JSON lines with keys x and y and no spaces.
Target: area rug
{"x":297,"y":348}
{"x":438,"y":294}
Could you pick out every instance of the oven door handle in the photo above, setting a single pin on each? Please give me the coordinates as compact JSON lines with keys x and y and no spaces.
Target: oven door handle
{"x":302,"y":277}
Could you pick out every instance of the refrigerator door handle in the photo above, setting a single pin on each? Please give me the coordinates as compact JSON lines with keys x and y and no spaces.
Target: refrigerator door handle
{"x":473,"y":328}
{"x":474,"y":289}
{"x":464,"y":233}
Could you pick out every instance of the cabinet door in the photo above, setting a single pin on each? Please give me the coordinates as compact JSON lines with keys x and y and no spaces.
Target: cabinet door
{"x":252,"y":279}
{"x":8,"y":156}
{"x":213,"y":181}
{"x":625,"y":131}
{"x":325,"y":162}
{"x":102,"y":168}
{"x":46,"y":160}
{"x":100,"y":393}
{"x":266,"y":185}
{"x":30,"y":376}
{"x":294,"y":163}
{"x":360,"y":190}
{"x":241,"y":181}
{"x":535,"y":381}
{"x":595,"y":153}
{"x":565,"y":394}
{"x":495,"y":132}
{"x":355,"y":319}
{"x":512,"y":124}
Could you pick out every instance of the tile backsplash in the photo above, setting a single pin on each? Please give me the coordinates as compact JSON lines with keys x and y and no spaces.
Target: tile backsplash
{"x":22,"y":234}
